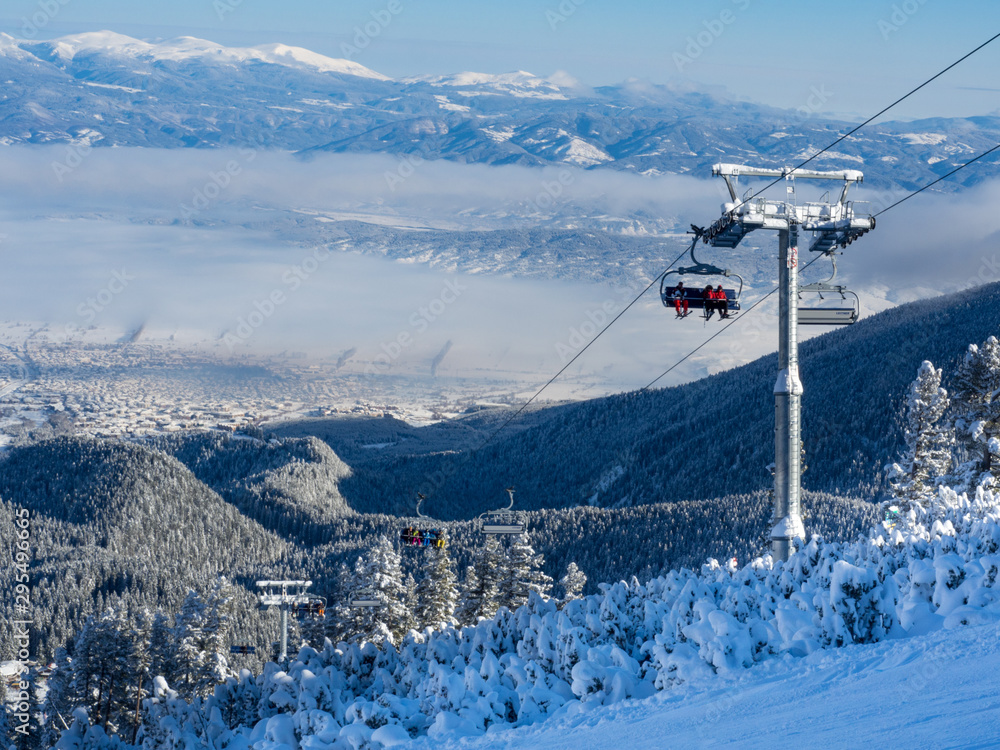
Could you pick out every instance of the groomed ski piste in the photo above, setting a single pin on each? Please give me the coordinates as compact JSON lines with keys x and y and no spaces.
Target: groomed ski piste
{"x":930,"y":691}
{"x":887,"y":641}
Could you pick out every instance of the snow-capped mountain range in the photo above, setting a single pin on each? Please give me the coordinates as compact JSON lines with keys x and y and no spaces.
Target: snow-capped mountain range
{"x":106,"y":89}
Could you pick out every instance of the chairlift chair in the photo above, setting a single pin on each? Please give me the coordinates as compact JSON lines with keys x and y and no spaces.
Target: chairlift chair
{"x":365,"y":598}
{"x":504,"y":521}
{"x":840,"y":315}
{"x":695,"y":296}
{"x":423,"y":536}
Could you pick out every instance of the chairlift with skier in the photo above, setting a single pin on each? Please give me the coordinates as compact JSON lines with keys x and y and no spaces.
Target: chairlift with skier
{"x":423,"y":536}
{"x":681,"y":297}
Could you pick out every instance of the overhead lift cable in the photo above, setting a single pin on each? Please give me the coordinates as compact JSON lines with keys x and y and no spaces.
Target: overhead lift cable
{"x":527,"y":403}
{"x":875,"y":116}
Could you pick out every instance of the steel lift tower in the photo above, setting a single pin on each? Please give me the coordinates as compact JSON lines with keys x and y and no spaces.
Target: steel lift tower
{"x":283,"y":595}
{"x":833,"y":224}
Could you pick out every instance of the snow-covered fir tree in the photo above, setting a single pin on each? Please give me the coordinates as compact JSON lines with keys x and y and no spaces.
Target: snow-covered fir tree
{"x":928,"y":443}
{"x":409,"y":621}
{"x":378,"y":572}
{"x":312,"y":628}
{"x":437,"y":591}
{"x":522,"y":574}
{"x":572,"y":583}
{"x":481,"y":592}
{"x":101,"y":672}
{"x":161,"y":647}
{"x":976,"y":416}
{"x":142,"y":681}
{"x":27,"y":735}
{"x":219,"y":613}
{"x":338,"y":612}
{"x":5,"y":723}
{"x":57,"y":707}
{"x":199,"y":641}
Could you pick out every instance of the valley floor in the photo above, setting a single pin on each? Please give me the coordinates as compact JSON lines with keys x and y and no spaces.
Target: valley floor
{"x":931,"y":691}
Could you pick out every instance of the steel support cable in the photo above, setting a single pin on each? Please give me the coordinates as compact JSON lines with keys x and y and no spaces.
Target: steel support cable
{"x":565,"y":367}
{"x":878,"y":114}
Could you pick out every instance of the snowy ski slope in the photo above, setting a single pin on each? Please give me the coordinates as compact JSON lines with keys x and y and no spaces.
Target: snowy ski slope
{"x":936,"y":690}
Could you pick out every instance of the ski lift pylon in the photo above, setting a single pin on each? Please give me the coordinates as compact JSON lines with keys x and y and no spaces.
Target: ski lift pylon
{"x":694,"y":296}
{"x":504,"y":521}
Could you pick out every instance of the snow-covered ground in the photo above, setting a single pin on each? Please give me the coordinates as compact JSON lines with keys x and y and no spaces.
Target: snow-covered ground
{"x":931,"y":691}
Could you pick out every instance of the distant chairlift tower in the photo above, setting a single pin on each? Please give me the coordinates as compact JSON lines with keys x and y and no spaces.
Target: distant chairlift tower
{"x":832,"y":224}
{"x":284,"y":595}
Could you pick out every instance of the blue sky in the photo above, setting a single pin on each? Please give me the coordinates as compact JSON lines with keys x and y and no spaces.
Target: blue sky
{"x":859,"y":54}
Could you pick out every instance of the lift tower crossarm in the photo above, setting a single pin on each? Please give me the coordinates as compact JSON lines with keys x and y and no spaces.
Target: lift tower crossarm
{"x":729,"y":171}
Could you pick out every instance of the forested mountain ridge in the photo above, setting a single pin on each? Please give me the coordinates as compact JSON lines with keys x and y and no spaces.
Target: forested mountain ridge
{"x":288,"y":486}
{"x":113,"y":521}
{"x":706,"y":439}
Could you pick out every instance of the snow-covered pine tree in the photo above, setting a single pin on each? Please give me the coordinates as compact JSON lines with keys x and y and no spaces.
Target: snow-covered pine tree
{"x":481,"y":593}
{"x":976,"y":416}
{"x":102,"y":670}
{"x":161,"y":648}
{"x":142,"y":659}
{"x":6,"y":729}
{"x":437,"y":592}
{"x":523,"y":574}
{"x":199,"y":638}
{"x":380,"y":571}
{"x":58,"y":706}
{"x":928,"y":443}
{"x":215,"y":644}
{"x":572,"y":583}
{"x":468,"y":605}
{"x":313,"y":630}
{"x":28,"y":737}
{"x":338,"y":618}
{"x":410,"y":600}
{"x":188,"y":657}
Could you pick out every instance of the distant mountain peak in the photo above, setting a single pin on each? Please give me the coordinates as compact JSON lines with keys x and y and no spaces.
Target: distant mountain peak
{"x":518,"y":83}
{"x":189,"y":47}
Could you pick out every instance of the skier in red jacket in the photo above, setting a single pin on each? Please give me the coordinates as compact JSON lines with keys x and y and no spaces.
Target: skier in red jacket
{"x":680,"y":298}
{"x":708,"y":295}
{"x":721,"y":302}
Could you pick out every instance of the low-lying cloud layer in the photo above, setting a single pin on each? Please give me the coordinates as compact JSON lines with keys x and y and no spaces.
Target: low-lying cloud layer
{"x":175,"y":241}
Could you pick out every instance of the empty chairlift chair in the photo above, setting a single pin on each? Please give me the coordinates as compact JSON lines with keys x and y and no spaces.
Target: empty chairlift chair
{"x":844,"y":310}
{"x":364,"y":598}
{"x":505,"y":521}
